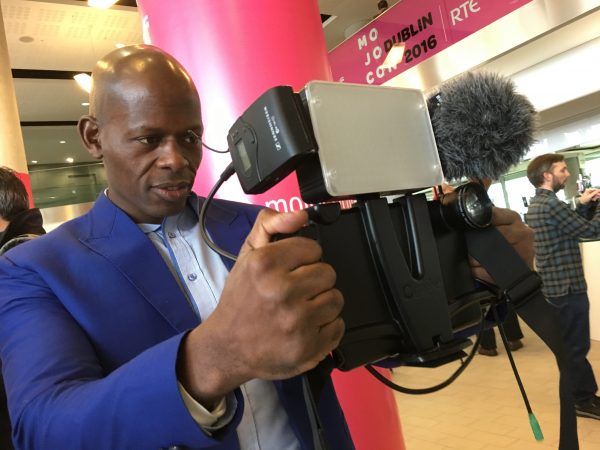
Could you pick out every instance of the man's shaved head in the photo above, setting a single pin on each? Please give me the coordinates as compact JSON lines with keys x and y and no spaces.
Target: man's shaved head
{"x":117,"y":71}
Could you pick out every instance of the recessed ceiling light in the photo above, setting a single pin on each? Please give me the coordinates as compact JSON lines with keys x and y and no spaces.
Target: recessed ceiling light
{"x":34,"y":161}
{"x":69,"y":160}
{"x":85,"y":104}
{"x":62,"y":142}
{"x":102,"y":4}
{"x":84,"y":81}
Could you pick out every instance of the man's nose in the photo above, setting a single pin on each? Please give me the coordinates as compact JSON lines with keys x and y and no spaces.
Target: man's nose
{"x":172,"y":155}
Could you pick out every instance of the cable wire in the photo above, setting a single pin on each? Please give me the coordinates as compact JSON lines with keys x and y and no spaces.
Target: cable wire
{"x":225,"y":175}
{"x":199,"y":139}
{"x":214,"y":149}
{"x":429,"y":390}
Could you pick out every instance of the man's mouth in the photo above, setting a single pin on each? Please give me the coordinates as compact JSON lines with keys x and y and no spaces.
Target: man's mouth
{"x":172,"y":191}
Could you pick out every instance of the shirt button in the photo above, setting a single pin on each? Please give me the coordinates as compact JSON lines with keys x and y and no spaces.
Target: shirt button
{"x":171,"y":234}
{"x":192,"y":276}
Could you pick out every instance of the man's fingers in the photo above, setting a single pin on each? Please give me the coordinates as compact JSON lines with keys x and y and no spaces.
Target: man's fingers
{"x":332,"y":333}
{"x":326,"y":307}
{"x":312,"y":279}
{"x":281,"y":257}
{"x":269,"y":223}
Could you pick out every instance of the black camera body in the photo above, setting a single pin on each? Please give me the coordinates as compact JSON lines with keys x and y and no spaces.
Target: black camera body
{"x":269,"y":139}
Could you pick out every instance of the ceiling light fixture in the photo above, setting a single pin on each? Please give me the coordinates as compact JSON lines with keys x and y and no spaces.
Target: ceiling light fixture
{"x":34,"y":161}
{"x":394,"y":56}
{"x":101,"y":4}
{"x":62,"y":142}
{"x":69,"y":160}
{"x":84,"y":81}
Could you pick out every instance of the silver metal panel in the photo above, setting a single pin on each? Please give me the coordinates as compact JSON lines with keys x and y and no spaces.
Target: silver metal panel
{"x":372,"y":138}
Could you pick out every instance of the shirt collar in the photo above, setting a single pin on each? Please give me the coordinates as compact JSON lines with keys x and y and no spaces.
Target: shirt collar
{"x":185,"y":220}
{"x":542,"y":191}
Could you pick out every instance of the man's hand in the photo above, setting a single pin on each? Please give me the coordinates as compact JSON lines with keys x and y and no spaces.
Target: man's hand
{"x":589,"y":195}
{"x":278,"y":316}
{"x":519,"y":235}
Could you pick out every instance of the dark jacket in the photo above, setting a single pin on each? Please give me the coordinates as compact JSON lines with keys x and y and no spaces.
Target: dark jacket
{"x":23,"y":227}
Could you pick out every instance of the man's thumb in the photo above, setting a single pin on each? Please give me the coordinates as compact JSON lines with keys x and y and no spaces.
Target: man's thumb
{"x":269,"y":223}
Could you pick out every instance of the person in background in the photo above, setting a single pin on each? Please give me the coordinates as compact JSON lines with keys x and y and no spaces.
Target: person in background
{"x":18,"y":223}
{"x":487,"y":344}
{"x":558,"y":230}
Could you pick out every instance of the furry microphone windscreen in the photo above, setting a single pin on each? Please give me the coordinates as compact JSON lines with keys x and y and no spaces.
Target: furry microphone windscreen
{"x":482,"y":126}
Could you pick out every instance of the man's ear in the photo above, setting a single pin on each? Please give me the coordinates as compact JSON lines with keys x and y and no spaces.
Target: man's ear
{"x":90,"y":135}
{"x":547,"y":176}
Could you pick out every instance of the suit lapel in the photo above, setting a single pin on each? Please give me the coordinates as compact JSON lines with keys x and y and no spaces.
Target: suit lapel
{"x":120,"y":241}
{"x":228,"y":224}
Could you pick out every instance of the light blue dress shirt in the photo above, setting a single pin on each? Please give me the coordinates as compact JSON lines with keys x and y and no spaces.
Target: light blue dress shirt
{"x":201,"y":274}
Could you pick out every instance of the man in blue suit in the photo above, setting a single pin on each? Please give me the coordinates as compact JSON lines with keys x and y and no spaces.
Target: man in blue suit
{"x":121,"y":329}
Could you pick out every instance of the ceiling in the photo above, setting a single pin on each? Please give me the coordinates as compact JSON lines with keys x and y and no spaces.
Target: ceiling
{"x":49,"y":40}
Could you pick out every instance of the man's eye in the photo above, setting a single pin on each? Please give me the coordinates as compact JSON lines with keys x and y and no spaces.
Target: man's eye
{"x":149,"y":140}
{"x":192,"y":138}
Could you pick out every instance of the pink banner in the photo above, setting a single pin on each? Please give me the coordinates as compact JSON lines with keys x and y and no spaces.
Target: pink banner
{"x":426,"y":27}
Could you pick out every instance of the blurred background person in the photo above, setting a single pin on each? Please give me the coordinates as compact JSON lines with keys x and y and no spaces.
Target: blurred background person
{"x":487,"y":344}
{"x":18,"y":222}
{"x":558,"y":230}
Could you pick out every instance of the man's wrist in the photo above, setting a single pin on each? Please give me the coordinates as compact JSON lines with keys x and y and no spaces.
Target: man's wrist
{"x":201,"y":367}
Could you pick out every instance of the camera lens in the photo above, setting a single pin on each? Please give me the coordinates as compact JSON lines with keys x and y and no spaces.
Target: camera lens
{"x":467,"y":207}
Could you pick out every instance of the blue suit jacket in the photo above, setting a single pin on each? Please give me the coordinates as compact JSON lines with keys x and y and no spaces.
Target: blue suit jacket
{"x":91,"y":321}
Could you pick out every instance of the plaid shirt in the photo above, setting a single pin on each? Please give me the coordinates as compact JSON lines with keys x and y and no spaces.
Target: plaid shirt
{"x":557,"y":232}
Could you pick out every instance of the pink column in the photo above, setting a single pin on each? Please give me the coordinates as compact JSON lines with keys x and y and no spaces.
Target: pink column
{"x":235,"y":50}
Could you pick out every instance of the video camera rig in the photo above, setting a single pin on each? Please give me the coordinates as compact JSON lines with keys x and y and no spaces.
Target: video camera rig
{"x":402,"y":265}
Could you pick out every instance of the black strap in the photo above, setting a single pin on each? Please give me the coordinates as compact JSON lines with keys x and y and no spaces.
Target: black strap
{"x":517,"y":282}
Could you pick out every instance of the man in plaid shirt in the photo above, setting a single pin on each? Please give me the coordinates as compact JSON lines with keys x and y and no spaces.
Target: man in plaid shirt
{"x":558,"y":230}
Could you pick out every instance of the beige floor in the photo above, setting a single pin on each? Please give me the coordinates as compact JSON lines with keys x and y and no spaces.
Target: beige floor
{"x":483,"y":409}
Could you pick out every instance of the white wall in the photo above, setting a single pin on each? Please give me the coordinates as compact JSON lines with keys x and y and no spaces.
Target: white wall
{"x":590,"y":252}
